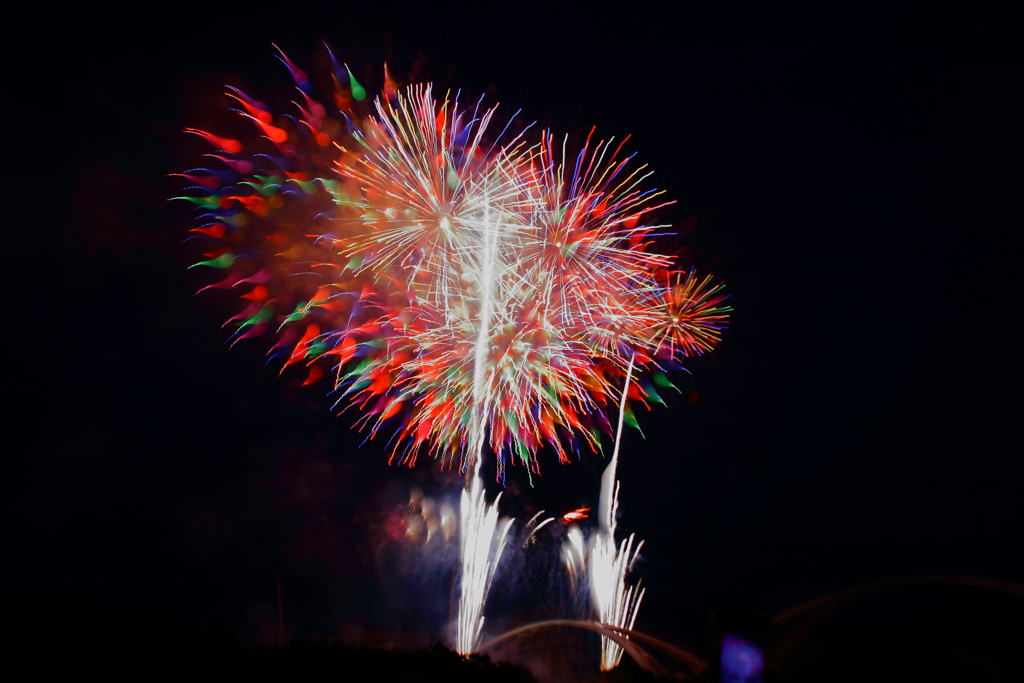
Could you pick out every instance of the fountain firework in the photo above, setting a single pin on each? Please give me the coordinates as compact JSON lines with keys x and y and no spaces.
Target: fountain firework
{"x":482,"y":538}
{"x":602,"y":565}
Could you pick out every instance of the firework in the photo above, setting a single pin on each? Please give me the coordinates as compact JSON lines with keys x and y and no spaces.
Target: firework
{"x":482,"y":542}
{"x":574,"y":556}
{"x":533,"y":526}
{"x":465,"y":287}
{"x":602,"y":566}
{"x":690,"y":317}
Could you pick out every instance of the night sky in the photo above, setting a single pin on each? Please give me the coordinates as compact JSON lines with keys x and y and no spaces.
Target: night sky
{"x":853,"y":178}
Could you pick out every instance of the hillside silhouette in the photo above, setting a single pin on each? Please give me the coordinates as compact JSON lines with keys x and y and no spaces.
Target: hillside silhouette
{"x":65,"y":638}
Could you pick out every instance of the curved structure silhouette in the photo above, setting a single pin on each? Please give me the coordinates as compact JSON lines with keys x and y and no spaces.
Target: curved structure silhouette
{"x":624,"y":638}
{"x":693,"y":662}
{"x":834,"y":602}
{"x":826,"y":606}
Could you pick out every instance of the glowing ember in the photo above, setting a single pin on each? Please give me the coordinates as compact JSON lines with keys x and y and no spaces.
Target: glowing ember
{"x":580,"y":513}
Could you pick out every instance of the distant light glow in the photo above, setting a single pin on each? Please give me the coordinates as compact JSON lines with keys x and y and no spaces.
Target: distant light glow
{"x":742,"y":662}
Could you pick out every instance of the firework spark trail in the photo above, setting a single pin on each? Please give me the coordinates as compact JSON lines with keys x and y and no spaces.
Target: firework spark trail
{"x":574,"y":555}
{"x":616,"y":603}
{"x":481,"y":399}
{"x":482,"y":538}
{"x":531,"y":530}
{"x":479,"y":528}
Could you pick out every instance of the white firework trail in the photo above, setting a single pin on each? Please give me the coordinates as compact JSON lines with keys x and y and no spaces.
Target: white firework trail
{"x":483,"y":539}
{"x":605,"y":566}
{"x":531,"y":535}
{"x":617,"y":603}
{"x":574,"y":555}
{"x":480,"y":530}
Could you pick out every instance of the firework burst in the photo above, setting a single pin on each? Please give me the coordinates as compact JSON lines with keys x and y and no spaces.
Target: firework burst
{"x":435,"y":267}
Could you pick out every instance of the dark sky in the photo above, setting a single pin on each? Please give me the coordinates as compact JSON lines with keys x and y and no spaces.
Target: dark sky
{"x":854,"y":179}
